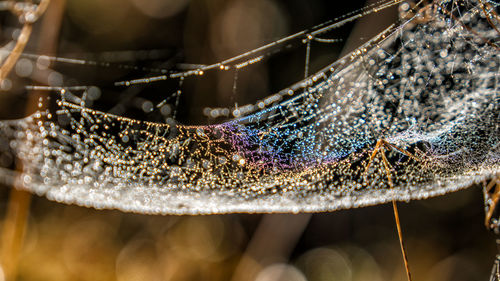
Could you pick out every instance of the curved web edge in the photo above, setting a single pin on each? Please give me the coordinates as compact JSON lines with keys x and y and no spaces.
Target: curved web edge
{"x":131,"y":198}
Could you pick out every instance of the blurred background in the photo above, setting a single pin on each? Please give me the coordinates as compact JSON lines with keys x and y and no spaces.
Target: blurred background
{"x":118,"y":40}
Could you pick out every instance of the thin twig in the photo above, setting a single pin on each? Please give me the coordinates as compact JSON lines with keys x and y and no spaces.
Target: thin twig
{"x":396,"y":213}
{"x":379,"y":148}
{"x":495,"y":197}
{"x":468,"y":28}
{"x":487,"y":15}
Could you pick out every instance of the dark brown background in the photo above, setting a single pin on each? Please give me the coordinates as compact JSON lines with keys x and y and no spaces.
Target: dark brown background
{"x":445,"y":237}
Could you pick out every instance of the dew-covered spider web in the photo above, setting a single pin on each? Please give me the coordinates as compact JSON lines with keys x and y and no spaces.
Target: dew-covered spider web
{"x":428,"y":84}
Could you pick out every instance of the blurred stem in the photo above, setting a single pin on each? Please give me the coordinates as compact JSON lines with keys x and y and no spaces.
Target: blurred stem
{"x":19,"y":201}
{"x":14,"y":230}
{"x":16,"y":52}
{"x":28,"y":18}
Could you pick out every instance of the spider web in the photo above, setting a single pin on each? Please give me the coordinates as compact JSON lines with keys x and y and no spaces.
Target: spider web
{"x":427,"y":84}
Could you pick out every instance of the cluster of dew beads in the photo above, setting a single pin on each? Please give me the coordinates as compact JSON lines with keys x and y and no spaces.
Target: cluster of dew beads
{"x":426,"y":85}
